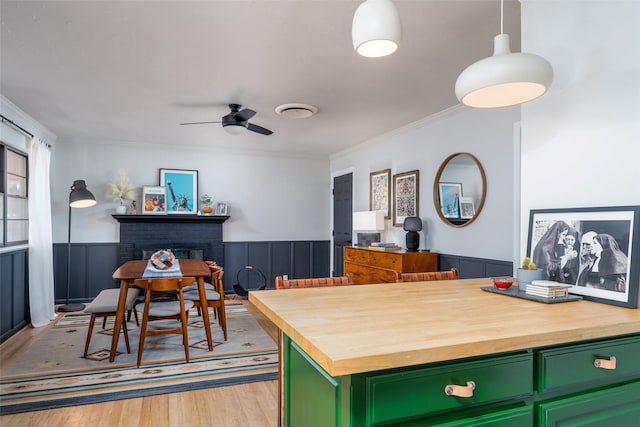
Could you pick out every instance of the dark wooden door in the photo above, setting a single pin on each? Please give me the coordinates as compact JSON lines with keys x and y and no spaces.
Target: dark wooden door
{"x":342,"y":219}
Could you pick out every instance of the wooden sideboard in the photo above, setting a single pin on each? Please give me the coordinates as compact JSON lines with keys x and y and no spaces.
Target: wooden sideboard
{"x":371,"y":266}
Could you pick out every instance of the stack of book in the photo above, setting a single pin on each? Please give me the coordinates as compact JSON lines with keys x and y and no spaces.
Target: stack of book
{"x":384,"y":246}
{"x":547,"y":289}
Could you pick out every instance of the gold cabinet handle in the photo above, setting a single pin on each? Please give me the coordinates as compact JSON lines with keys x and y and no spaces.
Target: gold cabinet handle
{"x":460,"y":390}
{"x":605,"y":364}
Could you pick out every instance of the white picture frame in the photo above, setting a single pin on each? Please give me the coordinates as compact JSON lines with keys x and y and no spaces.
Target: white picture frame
{"x":221,"y":209}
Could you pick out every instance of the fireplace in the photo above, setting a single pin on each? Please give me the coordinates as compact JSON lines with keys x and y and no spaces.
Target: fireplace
{"x":189,"y":236}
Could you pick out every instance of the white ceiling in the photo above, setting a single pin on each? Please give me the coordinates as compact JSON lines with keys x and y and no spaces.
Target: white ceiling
{"x":131,"y":71}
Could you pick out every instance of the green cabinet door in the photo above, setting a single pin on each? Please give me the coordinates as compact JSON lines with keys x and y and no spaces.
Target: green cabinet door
{"x":614,"y":407}
{"x":312,"y":397}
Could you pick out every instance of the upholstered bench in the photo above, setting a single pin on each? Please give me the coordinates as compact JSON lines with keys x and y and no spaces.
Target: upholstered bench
{"x":105,"y":305}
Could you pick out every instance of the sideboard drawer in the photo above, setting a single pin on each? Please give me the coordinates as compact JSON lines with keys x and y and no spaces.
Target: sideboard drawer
{"x":572,"y":366}
{"x":411,"y":393}
{"x":380,"y":275}
{"x":386,"y":260}
{"x":356,"y":255}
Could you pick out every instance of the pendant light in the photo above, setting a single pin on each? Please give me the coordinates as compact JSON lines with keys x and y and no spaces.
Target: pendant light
{"x":375,"y":31}
{"x":505,"y":78}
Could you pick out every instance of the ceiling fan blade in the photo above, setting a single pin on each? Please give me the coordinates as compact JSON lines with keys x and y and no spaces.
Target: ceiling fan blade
{"x":245,"y":114}
{"x":258,"y":129}
{"x":198,"y":123}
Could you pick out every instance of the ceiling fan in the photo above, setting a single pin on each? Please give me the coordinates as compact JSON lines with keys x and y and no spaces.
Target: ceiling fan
{"x":237,"y":121}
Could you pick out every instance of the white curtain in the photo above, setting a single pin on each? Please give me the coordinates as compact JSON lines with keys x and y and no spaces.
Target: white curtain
{"x":41,"y":290}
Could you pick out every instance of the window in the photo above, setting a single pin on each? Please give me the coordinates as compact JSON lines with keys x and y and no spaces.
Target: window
{"x":14,"y":206}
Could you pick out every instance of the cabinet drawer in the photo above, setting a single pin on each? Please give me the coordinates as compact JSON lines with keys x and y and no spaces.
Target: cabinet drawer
{"x":386,"y":260}
{"x":617,"y":406}
{"x":379,"y":275}
{"x":356,"y":255}
{"x":360,"y":273}
{"x":415,"y":392}
{"x":573,"y":366}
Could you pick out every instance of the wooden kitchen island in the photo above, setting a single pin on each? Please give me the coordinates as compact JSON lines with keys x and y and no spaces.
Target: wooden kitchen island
{"x":449,"y":354}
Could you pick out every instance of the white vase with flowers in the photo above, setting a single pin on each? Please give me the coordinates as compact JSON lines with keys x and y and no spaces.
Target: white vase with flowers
{"x":121,"y":190}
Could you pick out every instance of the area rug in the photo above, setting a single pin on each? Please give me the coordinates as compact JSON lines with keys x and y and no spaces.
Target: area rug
{"x":52,"y":372}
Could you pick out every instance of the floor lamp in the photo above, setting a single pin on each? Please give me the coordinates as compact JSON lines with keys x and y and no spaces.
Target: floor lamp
{"x":79,"y":197}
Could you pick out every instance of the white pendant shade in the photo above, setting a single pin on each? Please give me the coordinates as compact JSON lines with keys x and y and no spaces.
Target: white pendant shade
{"x":504,"y":79}
{"x":376,"y":28}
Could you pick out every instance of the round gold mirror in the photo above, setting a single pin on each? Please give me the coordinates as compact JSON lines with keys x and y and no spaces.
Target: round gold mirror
{"x":459,"y":189}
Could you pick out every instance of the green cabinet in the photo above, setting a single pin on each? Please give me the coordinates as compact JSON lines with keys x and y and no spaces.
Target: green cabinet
{"x":551,"y":386}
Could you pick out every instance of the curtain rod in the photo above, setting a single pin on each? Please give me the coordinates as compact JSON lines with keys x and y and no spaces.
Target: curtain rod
{"x":17,"y":126}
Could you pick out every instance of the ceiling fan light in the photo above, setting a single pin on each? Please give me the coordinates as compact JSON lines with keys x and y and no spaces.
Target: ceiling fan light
{"x":375,"y":31}
{"x":234,"y":128}
{"x":504,"y":79}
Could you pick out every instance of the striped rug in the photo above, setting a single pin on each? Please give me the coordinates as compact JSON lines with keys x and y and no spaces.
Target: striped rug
{"x":52,"y":372}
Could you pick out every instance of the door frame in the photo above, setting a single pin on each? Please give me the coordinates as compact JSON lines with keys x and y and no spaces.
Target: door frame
{"x":352,"y":171}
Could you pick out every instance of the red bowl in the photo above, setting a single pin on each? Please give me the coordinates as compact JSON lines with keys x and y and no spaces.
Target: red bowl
{"x":502,"y":282}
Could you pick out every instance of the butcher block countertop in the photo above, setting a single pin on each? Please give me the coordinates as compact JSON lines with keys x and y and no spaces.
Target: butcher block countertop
{"x":362,"y":328}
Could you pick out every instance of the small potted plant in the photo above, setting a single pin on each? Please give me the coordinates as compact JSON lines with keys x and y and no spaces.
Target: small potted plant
{"x":207,"y":204}
{"x":121,"y":190}
{"x":527,"y":273}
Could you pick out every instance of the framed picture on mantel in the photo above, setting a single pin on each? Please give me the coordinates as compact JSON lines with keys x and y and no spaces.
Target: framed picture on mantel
{"x":182,"y":190}
{"x":154,"y":200}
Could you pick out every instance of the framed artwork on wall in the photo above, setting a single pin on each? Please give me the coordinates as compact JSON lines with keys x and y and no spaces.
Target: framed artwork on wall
{"x":379,"y":189}
{"x":450,"y":193}
{"x":182,"y":190}
{"x":154,"y":200}
{"x":593,"y":249}
{"x":406,"y":193}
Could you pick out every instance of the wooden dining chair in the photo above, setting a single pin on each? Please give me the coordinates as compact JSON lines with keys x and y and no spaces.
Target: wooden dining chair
{"x":427,"y":276}
{"x":164,"y":309}
{"x":105,"y":305}
{"x":316,"y":282}
{"x":214,"y":297}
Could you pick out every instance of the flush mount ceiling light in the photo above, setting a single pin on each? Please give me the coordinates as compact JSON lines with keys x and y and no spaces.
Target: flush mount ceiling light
{"x":505,"y":78}
{"x":234,"y":128}
{"x":376,"y":28}
{"x":296,"y":111}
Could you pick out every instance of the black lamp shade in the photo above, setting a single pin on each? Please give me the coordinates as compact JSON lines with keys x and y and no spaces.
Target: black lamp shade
{"x":412,"y":223}
{"x":80,"y":197}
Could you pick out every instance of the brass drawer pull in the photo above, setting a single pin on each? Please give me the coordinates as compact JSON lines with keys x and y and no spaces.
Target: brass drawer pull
{"x":605,"y":364}
{"x":459,"y":390}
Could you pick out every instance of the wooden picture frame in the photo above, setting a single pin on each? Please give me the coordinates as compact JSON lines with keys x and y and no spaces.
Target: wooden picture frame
{"x":182,"y":190}
{"x":597,"y":254}
{"x":379,"y":191}
{"x":406,"y":196}
{"x":154,"y":200}
{"x":449,"y":195}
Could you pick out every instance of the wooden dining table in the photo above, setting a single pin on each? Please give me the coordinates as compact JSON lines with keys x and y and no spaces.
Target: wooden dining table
{"x":128,"y":272}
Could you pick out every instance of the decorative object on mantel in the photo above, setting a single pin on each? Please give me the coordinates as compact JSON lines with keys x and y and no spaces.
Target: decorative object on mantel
{"x":121,"y":190}
{"x":182,"y":190}
{"x":207,"y":204}
{"x":527,"y":273}
{"x":595,"y":250}
{"x":133,"y":208}
{"x":221,"y":209}
{"x":154,"y":200}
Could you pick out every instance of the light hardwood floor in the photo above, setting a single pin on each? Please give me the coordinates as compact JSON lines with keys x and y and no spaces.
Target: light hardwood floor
{"x":244,"y":405}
